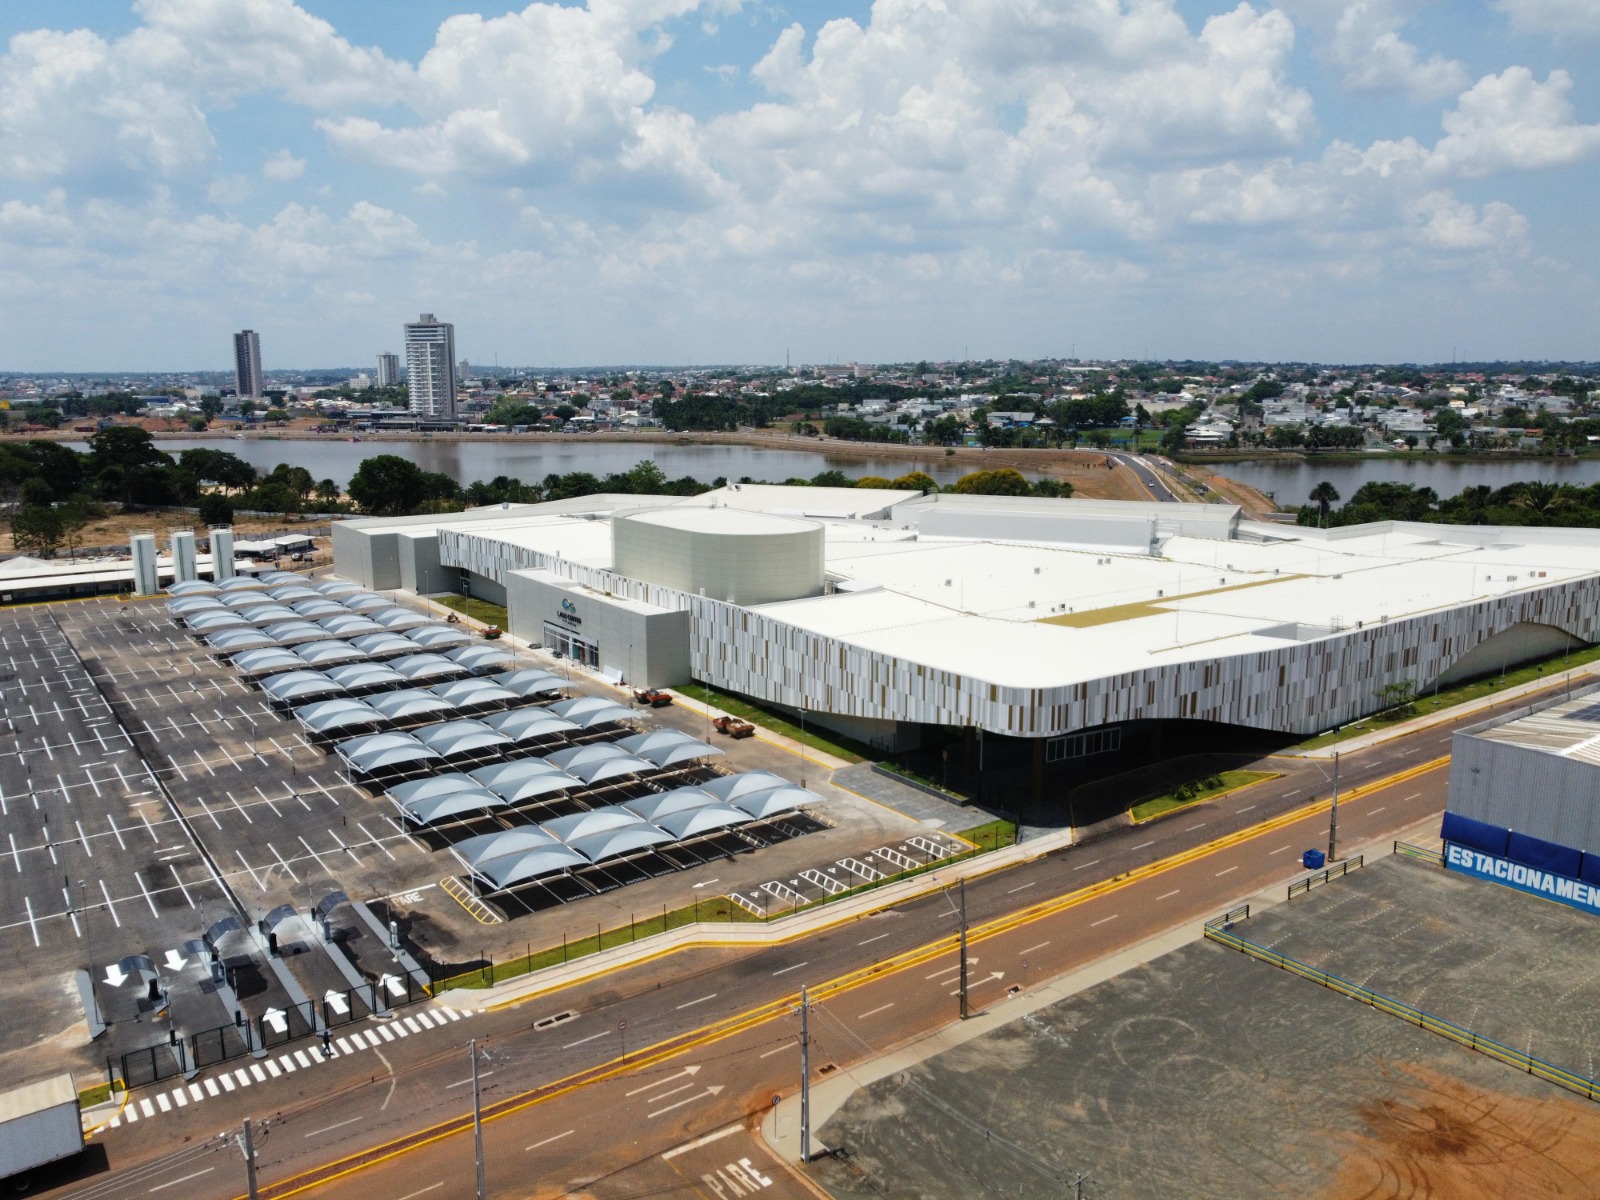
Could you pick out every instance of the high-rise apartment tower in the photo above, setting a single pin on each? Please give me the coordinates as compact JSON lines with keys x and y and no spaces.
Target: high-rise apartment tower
{"x":247,"y":364}
{"x":388,"y":370}
{"x":430,"y":367}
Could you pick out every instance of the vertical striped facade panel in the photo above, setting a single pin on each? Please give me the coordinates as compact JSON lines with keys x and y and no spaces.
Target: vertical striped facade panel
{"x":1300,"y":687}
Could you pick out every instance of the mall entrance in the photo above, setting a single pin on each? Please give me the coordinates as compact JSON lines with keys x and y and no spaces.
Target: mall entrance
{"x":572,"y":645}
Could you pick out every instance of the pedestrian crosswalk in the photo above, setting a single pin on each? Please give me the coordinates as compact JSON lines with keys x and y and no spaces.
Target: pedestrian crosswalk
{"x":144,"y":1108}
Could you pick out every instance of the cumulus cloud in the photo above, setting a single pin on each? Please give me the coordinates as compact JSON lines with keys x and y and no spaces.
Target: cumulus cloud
{"x":1512,"y":122}
{"x":1581,"y":17}
{"x":283,"y":166}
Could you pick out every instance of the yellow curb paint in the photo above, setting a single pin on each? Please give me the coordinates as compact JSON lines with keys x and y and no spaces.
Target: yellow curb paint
{"x":729,"y":1026}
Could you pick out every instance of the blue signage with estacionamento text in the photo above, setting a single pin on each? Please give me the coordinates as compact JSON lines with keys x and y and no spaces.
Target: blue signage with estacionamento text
{"x":1560,"y":888}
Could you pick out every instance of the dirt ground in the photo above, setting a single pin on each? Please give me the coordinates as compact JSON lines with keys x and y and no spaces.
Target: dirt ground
{"x":115,"y":528}
{"x":1439,"y":1137}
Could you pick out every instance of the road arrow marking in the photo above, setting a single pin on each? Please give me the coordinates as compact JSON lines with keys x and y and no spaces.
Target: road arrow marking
{"x":115,"y":975}
{"x":337,"y":1002}
{"x":665,"y":1079}
{"x":176,"y":961}
{"x":393,"y":984}
{"x":714,"y":1090}
{"x":275,"y":1017}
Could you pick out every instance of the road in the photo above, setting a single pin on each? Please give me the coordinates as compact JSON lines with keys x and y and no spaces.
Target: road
{"x":1147,"y":475}
{"x":589,"y":1086}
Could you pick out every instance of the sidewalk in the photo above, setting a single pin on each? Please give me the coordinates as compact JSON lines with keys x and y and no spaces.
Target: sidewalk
{"x":1577,"y":677}
{"x":829,"y":1095}
{"x":742,"y":934}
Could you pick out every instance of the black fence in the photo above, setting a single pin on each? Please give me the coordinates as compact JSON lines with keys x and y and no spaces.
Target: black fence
{"x":1323,"y":876}
{"x":183,"y":1055}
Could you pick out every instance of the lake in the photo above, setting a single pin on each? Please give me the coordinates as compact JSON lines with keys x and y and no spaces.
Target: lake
{"x":465,"y":461}
{"x":1290,"y":481}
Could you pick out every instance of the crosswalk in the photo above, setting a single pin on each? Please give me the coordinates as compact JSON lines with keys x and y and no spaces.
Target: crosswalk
{"x":144,"y":1108}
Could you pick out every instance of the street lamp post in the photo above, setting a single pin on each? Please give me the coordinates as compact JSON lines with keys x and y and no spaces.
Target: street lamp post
{"x":1333,"y":813}
{"x":802,"y":745}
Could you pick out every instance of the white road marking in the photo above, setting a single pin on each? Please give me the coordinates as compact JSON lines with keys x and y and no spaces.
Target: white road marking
{"x":1040,"y":946}
{"x":547,"y":1141}
{"x":1170,"y":894}
{"x":182,"y":1179}
{"x":1084,"y":866}
{"x":868,"y":942}
{"x":874,"y":1012}
{"x":702,"y":1000}
{"x":1225,"y":870}
{"x":1023,"y":888}
{"x":590,"y":1038}
{"x":335,"y":1125}
{"x":786,"y":970}
{"x":779,"y":1050}
{"x":1142,"y":846}
{"x":1103,"y":920}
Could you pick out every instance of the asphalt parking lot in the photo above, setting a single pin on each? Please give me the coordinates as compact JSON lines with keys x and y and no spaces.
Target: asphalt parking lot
{"x":157,"y":805}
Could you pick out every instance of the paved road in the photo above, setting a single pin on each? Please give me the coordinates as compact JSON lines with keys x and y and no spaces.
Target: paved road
{"x":1147,"y":475}
{"x":667,"y":1052}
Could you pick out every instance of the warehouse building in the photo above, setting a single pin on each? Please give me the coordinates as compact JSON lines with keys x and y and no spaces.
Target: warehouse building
{"x":1059,"y":630}
{"x":1524,"y":807}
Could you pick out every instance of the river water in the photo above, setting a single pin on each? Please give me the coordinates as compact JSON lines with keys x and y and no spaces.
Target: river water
{"x":465,"y":461}
{"x":1289,"y":482}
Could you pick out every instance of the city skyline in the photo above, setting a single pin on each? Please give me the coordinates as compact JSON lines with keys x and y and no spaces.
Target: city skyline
{"x":1320,"y":180}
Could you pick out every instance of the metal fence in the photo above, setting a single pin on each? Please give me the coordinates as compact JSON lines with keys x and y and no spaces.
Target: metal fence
{"x":1321,"y":877}
{"x":1219,"y":930}
{"x":1406,"y":850}
{"x":272,"y":1029}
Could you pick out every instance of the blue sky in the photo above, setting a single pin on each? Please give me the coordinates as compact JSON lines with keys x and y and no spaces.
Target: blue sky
{"x":682,"y":181}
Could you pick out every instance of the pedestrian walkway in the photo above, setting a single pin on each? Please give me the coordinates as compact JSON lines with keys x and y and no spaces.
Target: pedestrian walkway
{"x":149,"y":1105}
{"x":931,"y":810}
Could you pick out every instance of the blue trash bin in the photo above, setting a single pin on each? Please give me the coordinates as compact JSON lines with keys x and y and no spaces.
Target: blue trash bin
{"x":1312,"y":860}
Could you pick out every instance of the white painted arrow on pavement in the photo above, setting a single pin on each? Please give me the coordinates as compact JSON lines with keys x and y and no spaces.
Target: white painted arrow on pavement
{"x":337,"y":1002}
{"x":275,"y":1018}
{"x":176,"y":961}
{"x":115,"y":975}
{"x":665,"y":1079}
{"x":393,"y":984}
{"x":714,"y":1090}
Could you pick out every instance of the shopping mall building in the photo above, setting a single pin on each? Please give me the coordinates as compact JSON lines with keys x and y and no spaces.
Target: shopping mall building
{"x":1057,"y":631}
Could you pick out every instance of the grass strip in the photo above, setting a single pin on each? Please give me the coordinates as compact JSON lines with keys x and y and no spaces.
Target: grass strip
{"x":839,"y":747}
{"x":478,"y":610}
{"x":1193,"y":793}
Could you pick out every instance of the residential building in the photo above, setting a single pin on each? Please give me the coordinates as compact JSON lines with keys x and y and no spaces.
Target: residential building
{"x":388,"y":370}
{"x":430,"y":367}
{"x":247,"y":365}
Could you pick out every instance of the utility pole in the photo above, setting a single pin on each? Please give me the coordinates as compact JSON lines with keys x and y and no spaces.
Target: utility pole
{"x":964,"y":1011}
{"x":477,"y":1120}
{"x":1077,"y":1186}
{"x":1333,"y":813}
{"x":248,"y":1145}
{"x":805,"y":1075}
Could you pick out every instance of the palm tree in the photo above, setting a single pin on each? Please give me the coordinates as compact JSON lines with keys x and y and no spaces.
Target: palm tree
{"x":1542,"y":498}
{"x":1323,"y":495}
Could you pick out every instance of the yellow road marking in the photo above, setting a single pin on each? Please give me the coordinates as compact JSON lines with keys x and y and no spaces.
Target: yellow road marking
{"x":739,"y":1022}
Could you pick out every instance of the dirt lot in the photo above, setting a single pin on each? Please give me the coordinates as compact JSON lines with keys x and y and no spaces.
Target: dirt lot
{"x":115,"y":528}
{"x":1206,"y":1073}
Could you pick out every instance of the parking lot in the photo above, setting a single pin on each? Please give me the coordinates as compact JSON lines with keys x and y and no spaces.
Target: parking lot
{"x":165,"y":822}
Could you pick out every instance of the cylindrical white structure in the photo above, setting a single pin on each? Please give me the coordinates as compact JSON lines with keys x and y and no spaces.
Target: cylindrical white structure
{"x":183,"y":562}
{"x":146,"y":579}
{"x":222,"y":553}
{"x":725,"y":553}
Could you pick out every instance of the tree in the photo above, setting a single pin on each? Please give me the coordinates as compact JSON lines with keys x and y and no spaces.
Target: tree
{"x":37,"y":529}
{"x":873,"y":481}
{"x":215,"y":509}
{"x":1000,"y":482}
{"x":387,"y":485}
{"x":276,"y":416}
{"x":217,"y":466}
{"x":211,"y":407}
{"x":918,"y":481}
{"x":328,"y":491}
{"x":1323,"y":496}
